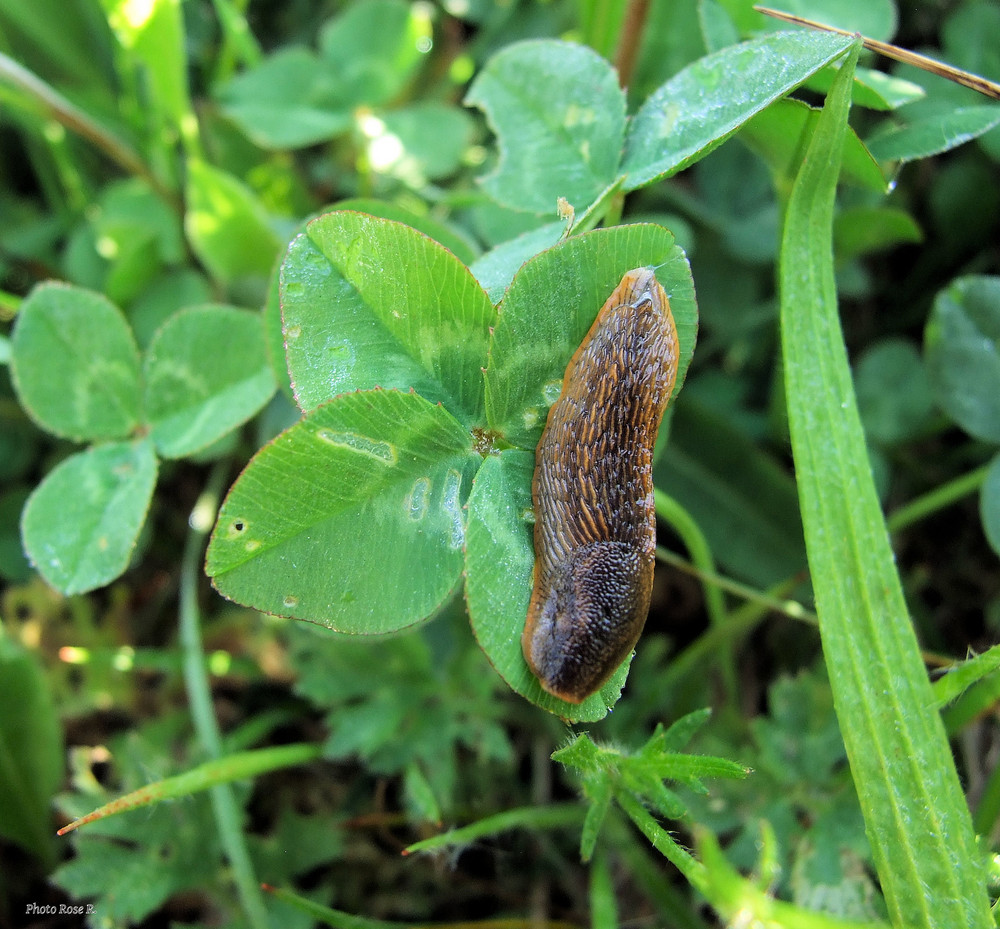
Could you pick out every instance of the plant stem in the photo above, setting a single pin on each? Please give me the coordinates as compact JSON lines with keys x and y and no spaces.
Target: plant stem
{"x":239,"y":45}
{"x":791,"y":608}
{"x":74,"y":119}
{"x":691,"y":868}
{"x":227,"y":811}
{"x":937,"y":499}
{"x":701,"y":554}
{"x":631,"y":39}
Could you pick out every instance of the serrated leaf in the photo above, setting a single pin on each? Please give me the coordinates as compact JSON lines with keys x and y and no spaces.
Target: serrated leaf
{"x":456,"y":240}
{"x":700,"y":107}
{"x":551,"y":305}
{"x":421,"y":803}
{"x":962,"y":347}
{"x":559,"y":117}
{"x":367,"y":302}
{"x":206,"y":372}
{"x":131,"y":874}
{"x":599,"y":794}
{"x":683,"y":730}
{"x":352,"y":518}
{"x":75,"y":363}
{"x":964,"y":674}
{"x":81,"y":523}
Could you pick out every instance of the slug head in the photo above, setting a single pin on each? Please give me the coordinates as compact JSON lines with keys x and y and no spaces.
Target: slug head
{"x":589,"y":619}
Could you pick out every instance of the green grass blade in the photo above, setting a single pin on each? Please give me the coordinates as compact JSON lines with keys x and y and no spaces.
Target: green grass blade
{"x":916,"y":816}
{"x":238,"y":767}
{"x":554,"y":816}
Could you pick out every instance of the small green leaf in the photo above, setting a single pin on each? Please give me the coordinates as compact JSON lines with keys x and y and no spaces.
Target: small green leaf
{"x":296,"y":98}
{"x":559,"y":117}
{"x":989,"y":504}
{"x":31,"y":752}
{"x":778,"y":132}
{"x":227,"y":225}
{"x":894,"y":392}
{"x":76,"y":364}
{"x":699,"y":108}
{"x":551,"y":305}
{"x":420,"y":800}
{"x":206,"y":372}
{"x":553,"y":816}
{"x":683,"y":730}
{"x":877,"y":19}
{"x":421,"y":142}
{"x":287,"y":101}
{"x":496,"y":269}
{"x":352,"y":518}
{"x":373,"y":48}
{"x":862,"y":230}
{"x":129,"y":867}
{"x":81,"y":523}
{"x":936,"y":130}
{"x":131,"y":235}
{"x":717,"y":26}
{"x":14,"y":567}
{"x":167,"y":294}
{"x":875,"y":90}
{"x":962,"y":346}
{"x":599,"y":796}
{"x":368,"y":302}
{"x":500,"y":555}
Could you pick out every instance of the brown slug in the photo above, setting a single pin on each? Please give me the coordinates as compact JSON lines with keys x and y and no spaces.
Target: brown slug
{"x":593,"y":493}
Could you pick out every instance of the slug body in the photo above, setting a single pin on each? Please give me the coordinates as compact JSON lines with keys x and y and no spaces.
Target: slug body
{"x":592,"y":490}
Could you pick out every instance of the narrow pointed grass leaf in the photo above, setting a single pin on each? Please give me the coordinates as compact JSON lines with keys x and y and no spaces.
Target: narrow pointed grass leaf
{"x":241,"y":766}
{"x":966,"y":673}
{"x":915,"y":813}
{"x":554,"y":816}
